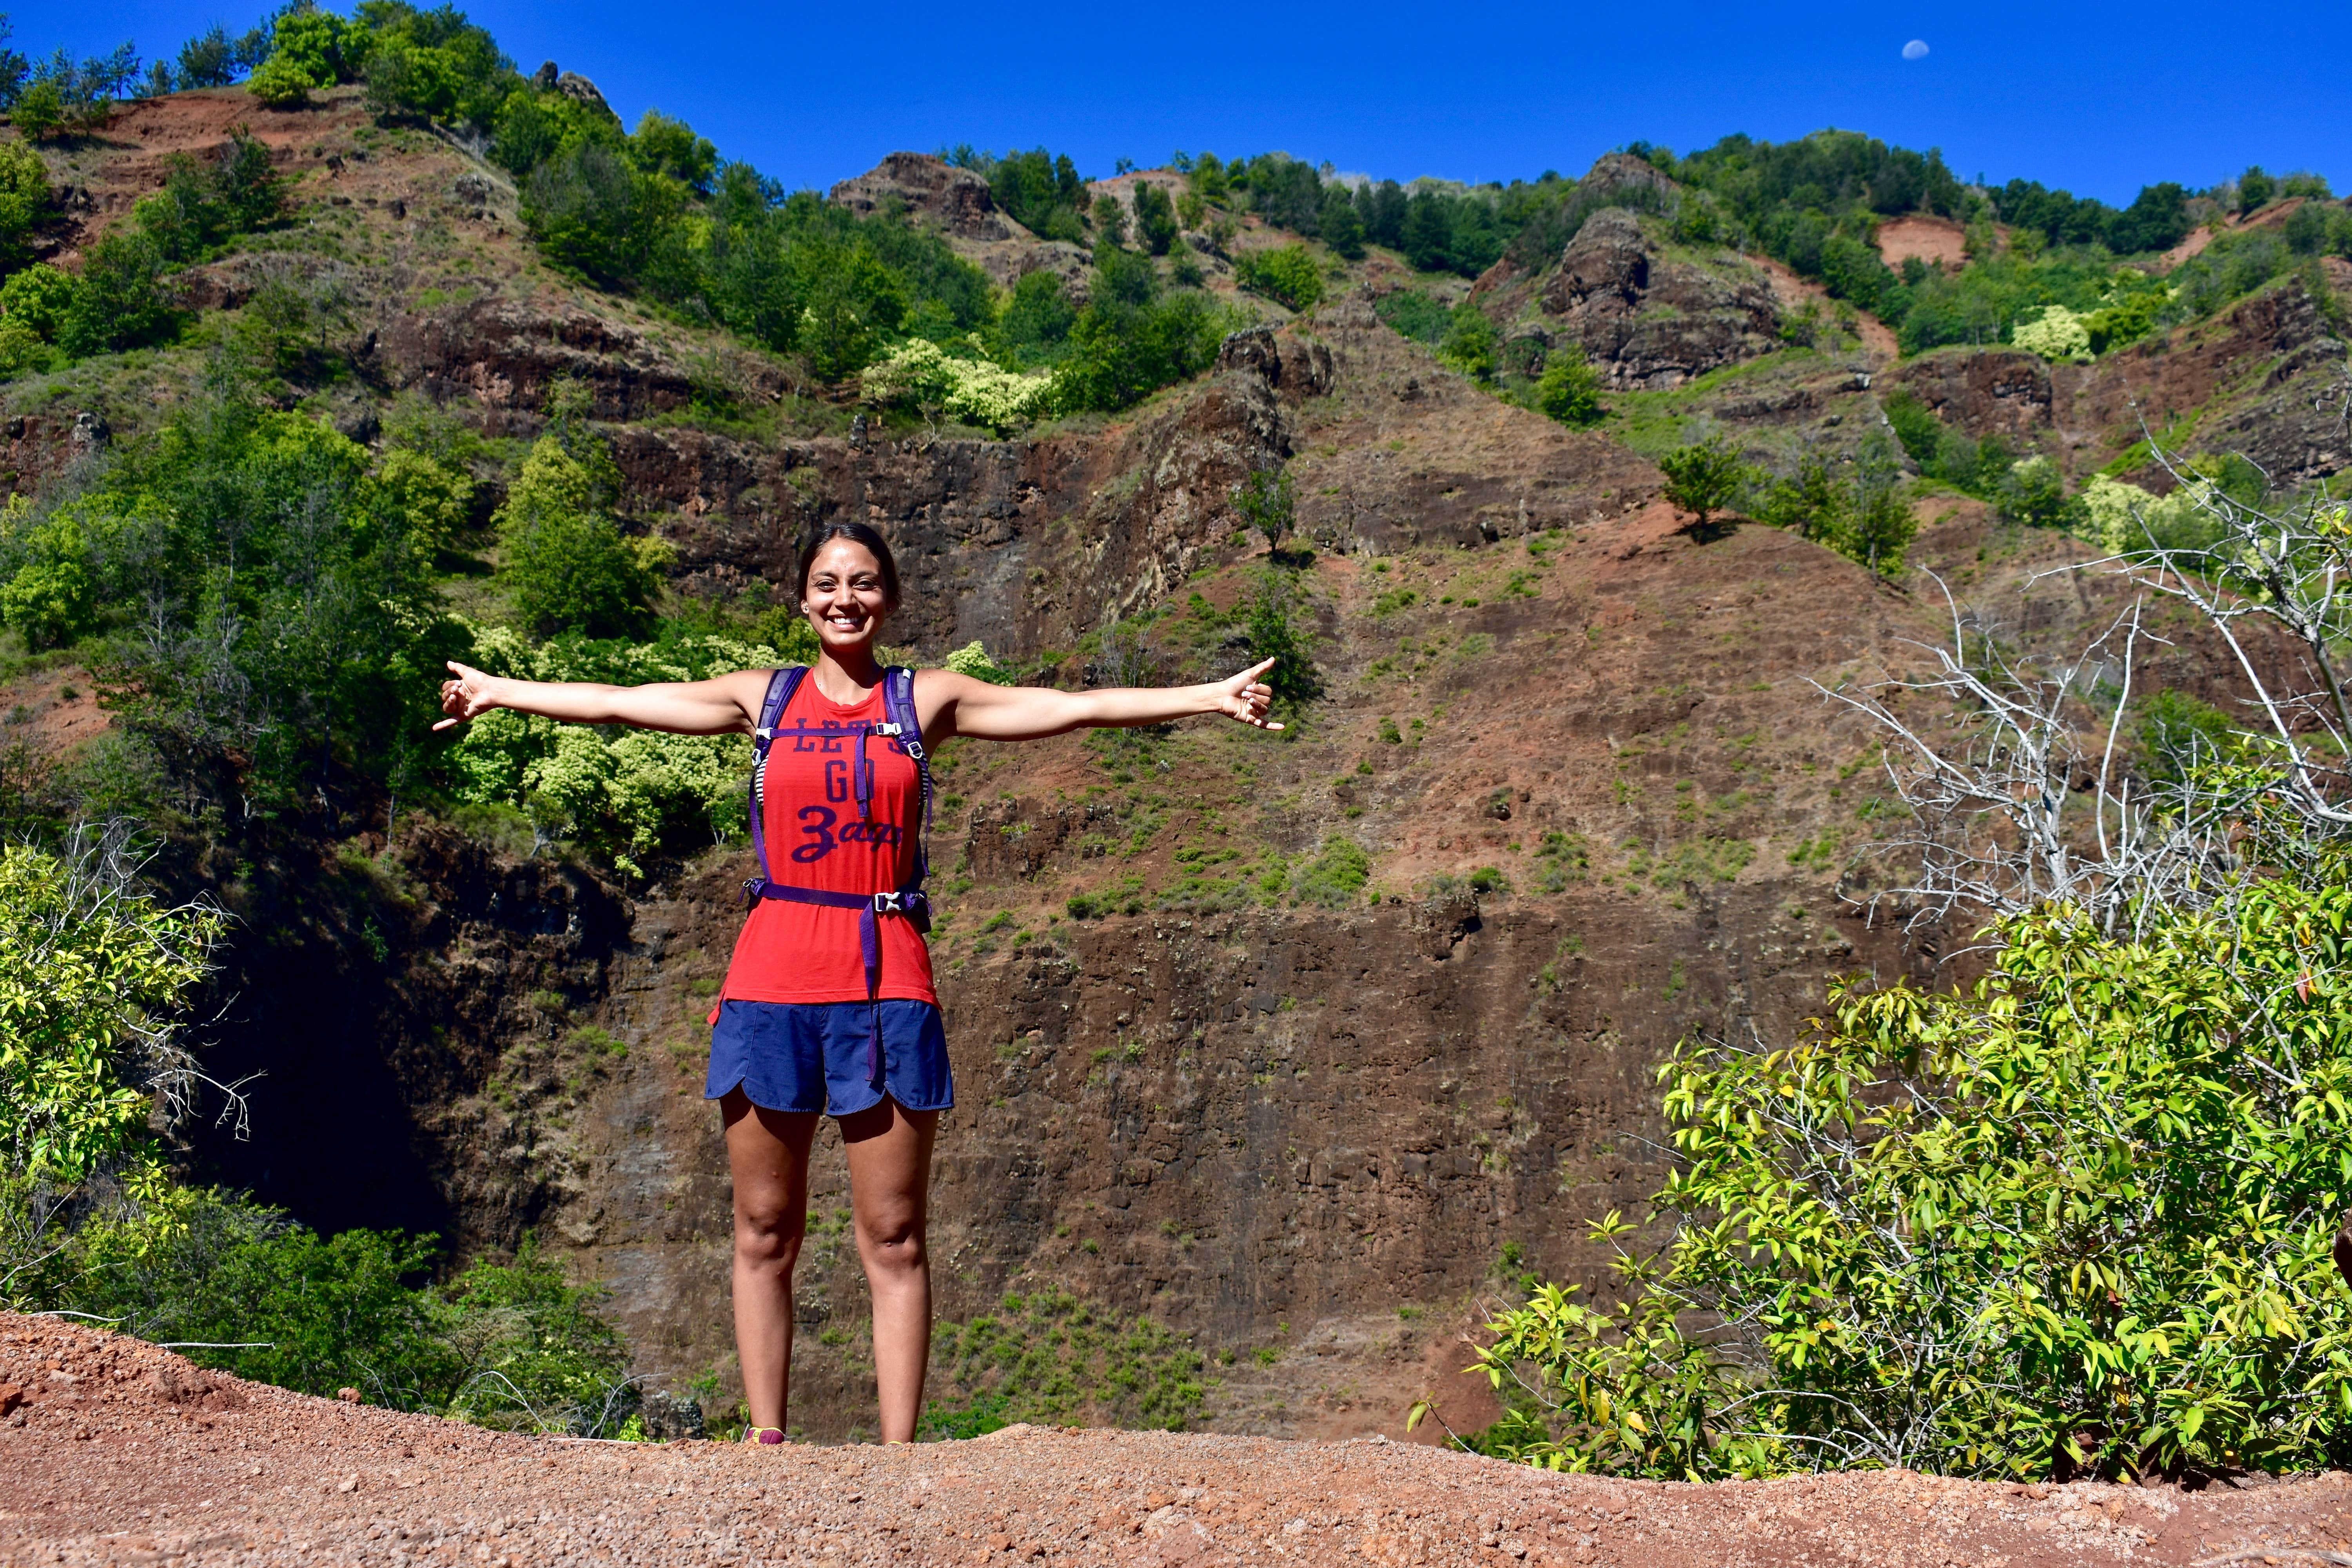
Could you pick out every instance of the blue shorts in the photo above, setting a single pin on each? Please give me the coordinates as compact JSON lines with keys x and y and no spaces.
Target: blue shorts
{"x":815,"y":1055}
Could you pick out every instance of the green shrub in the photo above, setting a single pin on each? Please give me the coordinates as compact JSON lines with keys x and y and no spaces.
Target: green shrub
{"x":1703,"y":479}
{"x":1335,"y":879}
{"x":1469,"y":342}
{"x":1134,"y":337}
{"x":972,"y":659}
{"x":2075,"y":1217}
{"x":1267,"y":619}
{"x":2034,"y":494}
{"x":565,"y":562}
{"x":1038,"y":317}
{"x":1155,"y":218}
{"x":1414,"y":314}
{"x":93,"y":974}
{"x":280,"y":83}
{"x":24,"y":200}
{"x":1268,"y":502}
{"x":1569,"y":391}
{"x":1863,"y":517}
{"x":1287,"y":274}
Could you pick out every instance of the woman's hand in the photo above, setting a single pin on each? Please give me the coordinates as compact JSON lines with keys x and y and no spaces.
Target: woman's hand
{"x":467,"y":697}
{"x":1247,"y":697}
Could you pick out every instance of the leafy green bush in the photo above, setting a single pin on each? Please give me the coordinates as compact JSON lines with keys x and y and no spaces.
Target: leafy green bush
{"x":972,"y":659}
{"x":920,"y":375}
{"x":1942,"y":452}
{"x":1702,"y":478}
{"x":2033,"y":492}
{"x":1268,"y":502}
{"x":2074,"y":1218}
{"x":23,"y":199}
{"x":1863,"y":517}
{"x":1267,"y":618}
{"x":1469,"y":342}
{"x":622,"y":794}
{"x":1155,"y":218}
{"x":1335,"y":879}
{"x":1569,"y":391}
{"x":93,"y":974}
{"x":1037,"y":321}
{"x":1287,"y":274}
{"x":1414,"y":314}
{"x":253,"y":586}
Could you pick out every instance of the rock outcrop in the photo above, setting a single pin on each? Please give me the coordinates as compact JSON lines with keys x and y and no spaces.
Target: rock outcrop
{"x":1649,"y":319}
{"x":931,"y":190}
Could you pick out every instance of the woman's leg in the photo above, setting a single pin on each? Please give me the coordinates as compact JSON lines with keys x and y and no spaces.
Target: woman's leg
{"x":889,"y":1196}
{"x":767,"y":1152}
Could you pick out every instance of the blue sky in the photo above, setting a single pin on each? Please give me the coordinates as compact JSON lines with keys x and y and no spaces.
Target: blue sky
{"x":2100,"y":99}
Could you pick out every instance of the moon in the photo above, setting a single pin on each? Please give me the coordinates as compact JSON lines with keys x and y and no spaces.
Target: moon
{"x":1917,"y":49}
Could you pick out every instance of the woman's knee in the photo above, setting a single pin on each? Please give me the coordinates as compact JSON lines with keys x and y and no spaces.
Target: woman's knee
{"x":892,"y":1239}
{"x":767,"y":1235}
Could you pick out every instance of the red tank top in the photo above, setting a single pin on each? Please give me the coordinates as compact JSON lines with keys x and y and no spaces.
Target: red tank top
{"x":808,"y":952}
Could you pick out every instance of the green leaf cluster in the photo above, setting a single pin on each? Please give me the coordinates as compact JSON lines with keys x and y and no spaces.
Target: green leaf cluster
{"x":2074,"y":1218}
{"x":623,"y":793}
{"x":1286,"y":274}
{"x":91,"y":982}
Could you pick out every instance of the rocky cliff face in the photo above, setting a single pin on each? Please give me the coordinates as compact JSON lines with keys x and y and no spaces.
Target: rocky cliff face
{"x":1652,"y":318}
{"x":1268,"y":1123}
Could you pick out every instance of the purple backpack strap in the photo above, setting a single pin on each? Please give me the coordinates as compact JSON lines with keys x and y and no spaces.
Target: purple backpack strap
{"x":898,"y":707}
{"x":780,"y":686}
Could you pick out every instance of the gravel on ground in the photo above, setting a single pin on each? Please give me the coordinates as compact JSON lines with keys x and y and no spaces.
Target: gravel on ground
{"x":115,"y":1451}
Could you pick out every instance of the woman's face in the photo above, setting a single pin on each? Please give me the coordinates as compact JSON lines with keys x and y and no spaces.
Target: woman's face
{"x":846,"y":597}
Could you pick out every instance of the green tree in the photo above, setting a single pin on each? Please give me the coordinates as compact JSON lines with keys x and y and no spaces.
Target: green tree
{"x":1038,"y":316}
{"x":1155,"y":218}
{"x":94,"y":978}
{"x":1111,"y":220}
{"x":1268,"y":502}
{"x":1569,"y":391}
{"x":1702,"y":478}
{"x":670,"y":148}
{"x":1269,"y":620}
{"x":563,"y":561}
{"x":39,"y":111}
{"x":24,"y":200}
{"x":1339,"y":225}
{"x":2034,"y":494}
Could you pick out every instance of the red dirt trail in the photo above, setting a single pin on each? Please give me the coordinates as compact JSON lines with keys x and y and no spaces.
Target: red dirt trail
{"x":114,"y":1451}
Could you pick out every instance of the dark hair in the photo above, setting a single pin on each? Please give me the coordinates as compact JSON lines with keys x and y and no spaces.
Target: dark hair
{"x":856,"y":533}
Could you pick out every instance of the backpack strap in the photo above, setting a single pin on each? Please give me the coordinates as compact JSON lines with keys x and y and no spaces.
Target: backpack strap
{"x":781,"y":684}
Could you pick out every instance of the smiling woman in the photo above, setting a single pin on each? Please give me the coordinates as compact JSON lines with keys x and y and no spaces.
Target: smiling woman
{"x":828,"y":1006}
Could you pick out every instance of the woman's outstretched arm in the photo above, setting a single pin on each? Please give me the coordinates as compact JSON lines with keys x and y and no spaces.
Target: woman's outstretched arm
{"x":727,"y":704}
{"x":985,"y":712}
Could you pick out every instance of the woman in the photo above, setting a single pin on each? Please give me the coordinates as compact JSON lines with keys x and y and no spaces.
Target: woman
{"x":828,"y":1005}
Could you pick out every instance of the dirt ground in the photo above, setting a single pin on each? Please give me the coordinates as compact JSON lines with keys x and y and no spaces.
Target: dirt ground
{"x":114,"y":1451}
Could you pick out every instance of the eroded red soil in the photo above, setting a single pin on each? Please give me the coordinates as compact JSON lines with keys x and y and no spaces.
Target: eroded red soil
{"x":114,"y":1451}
